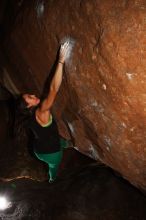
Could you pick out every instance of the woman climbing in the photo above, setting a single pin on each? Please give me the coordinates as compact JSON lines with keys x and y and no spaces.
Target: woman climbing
{"x":47,"y":145}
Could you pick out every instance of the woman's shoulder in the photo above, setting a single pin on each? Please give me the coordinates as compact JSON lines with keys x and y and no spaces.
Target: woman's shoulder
{"x":42,"y":118}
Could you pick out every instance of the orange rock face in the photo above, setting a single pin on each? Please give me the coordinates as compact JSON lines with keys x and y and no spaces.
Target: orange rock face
{"x":102,"y":101}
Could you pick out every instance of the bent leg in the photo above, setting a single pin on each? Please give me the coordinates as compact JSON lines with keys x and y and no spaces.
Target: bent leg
{"x":53,"y":169}
{"x":54,"y":163}
{"x":63,"y":143}
{"x":66,"y":143}
{"x":53,"y":160}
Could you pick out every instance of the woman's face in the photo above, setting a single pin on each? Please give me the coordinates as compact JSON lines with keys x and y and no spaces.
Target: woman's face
{"x":31,"y":100}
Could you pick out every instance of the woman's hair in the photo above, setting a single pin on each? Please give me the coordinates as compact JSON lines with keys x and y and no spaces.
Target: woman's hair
{"x":21,"y":104}
{"x":22,"y":117}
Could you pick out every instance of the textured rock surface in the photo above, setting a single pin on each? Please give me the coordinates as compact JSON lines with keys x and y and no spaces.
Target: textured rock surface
{"x":102,"y":100}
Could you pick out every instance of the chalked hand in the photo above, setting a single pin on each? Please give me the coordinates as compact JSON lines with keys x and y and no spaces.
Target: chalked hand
{"x":63,"y":52}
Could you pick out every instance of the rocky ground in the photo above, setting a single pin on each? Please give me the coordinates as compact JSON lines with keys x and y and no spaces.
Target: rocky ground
{"x":89,"y":192}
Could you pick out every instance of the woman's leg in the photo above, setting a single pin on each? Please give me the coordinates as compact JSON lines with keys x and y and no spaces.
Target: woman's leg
{"x":65,"y":143}
{"x":53,"y":160}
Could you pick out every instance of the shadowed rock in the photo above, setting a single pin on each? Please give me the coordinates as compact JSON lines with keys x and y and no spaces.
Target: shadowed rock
{"x":105,"y":84}
{"x":89,"y":192}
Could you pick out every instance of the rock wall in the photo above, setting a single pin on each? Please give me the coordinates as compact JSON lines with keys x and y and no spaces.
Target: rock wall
{"x":102,"y":101}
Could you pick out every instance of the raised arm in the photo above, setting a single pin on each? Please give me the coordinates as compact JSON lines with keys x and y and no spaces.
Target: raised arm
{"x":56,"y":81}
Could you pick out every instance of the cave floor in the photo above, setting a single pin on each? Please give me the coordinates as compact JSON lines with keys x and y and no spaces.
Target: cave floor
{"x":89,"y":192}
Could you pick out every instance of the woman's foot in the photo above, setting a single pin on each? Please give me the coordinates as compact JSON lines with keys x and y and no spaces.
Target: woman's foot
{"x":66,"y":143}
{"x":70,"y":144}
{"x":51,"y":181}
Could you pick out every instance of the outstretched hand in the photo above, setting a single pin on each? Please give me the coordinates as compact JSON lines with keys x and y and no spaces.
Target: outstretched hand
{"x":64,"y":49}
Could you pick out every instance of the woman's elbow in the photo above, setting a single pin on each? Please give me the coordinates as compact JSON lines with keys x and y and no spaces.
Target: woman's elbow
{"x":54,"y":90}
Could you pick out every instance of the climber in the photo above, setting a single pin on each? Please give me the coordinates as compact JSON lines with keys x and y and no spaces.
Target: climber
{"x":47,"y":145}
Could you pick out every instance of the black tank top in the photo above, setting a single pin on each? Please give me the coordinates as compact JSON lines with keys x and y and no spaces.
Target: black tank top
{"x":44,"y":139}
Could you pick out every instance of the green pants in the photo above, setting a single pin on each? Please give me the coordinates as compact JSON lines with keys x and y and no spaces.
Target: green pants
{"x":53,"y":160}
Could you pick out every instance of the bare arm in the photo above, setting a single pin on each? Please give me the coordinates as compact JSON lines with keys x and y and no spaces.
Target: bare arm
{"x":56,"y":81}
{"x":54,"y":87}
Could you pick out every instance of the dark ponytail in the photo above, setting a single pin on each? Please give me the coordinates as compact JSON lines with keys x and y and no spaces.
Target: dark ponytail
{"x":22,"y":117}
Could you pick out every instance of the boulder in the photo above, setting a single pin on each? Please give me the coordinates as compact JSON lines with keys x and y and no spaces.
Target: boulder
{"x":102,"y":101}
